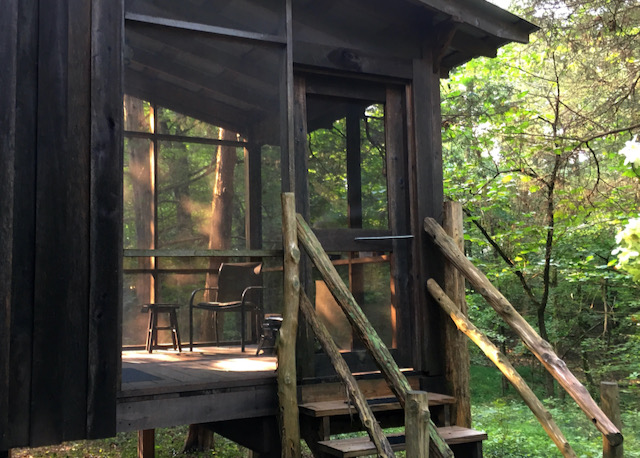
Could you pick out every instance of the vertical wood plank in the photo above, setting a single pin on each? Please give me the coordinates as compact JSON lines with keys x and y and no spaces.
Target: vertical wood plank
{"x":106,"y":217}
{"x":147,"y":443}
{"x":416,"y":420}
{"x":455,"y":344}
{"x":60,"y":318}
{"x":23,"y":225}
{"x":286,"y":345}
{"x":610,"y":402}
{"x":288,"y":111}
{"x":305,"y":344}
{"x":253,"y":201}
{"x":8,"y":51}
{"x":427,"y":200}
{"x":354,"y":201}
{"x":398,"y":198}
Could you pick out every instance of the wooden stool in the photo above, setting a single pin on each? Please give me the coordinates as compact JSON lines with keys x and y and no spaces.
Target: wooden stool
{"x":152,"y":329}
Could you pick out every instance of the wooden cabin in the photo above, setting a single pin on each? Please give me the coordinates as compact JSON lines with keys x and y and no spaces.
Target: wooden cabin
{"x":104,"y":209}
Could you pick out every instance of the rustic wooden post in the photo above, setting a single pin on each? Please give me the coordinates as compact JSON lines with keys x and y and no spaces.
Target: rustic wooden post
{"x":378,"y":350}
{"x":147,"y":443}
{"x":610,"y":401}
{"x":502,"y":363}
{"x":416,"y":424}
{"x":455,"y":344}
{"x":331,"y":349}
{"x":286,"y":346}
{"x":538,"y":346}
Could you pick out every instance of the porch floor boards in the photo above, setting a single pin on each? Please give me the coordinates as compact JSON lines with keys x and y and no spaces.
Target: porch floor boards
{"x":169,"y":371}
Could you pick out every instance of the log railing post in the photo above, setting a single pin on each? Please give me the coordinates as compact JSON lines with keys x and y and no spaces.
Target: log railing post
{"x":537,"y":345}
{"x":610,"y":401}
{"x":502,"y":363}
{"x":377,"y":349}
{"x":147,"y":443}
{"x":416,"y":424}
{"x":455,"y":345}
{"x":286,"y":345}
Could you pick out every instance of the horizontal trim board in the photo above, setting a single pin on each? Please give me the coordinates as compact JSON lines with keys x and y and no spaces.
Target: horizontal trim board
{"x":133,"y":253}
{"x":204,"y":28}
{"x":184,"y":139}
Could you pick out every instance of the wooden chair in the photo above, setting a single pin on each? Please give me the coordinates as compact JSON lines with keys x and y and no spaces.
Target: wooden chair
{"x":238,"y":290}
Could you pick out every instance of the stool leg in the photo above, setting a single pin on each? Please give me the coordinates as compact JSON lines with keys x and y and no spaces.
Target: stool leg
{"x":174,"y":330}
{"x":154,"y":331}
{"x":149,"y":331}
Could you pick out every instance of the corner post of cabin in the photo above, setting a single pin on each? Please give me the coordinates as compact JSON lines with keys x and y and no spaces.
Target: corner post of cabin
{"x":286,"y":345}
{"x":456,"y":349}
{"x":427,"y":195}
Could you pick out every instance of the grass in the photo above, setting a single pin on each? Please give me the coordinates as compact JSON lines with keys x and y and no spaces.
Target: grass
{"x":514,"y":432}
{"x":512,"y":429}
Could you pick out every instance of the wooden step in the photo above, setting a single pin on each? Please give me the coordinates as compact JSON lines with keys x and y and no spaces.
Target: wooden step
{"x":362,"y":446}
{"x":379,"y":404}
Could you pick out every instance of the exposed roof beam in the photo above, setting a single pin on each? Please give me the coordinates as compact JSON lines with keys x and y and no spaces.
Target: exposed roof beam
{"x":484,"y":16}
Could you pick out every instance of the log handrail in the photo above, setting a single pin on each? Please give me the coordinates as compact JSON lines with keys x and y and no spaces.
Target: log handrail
{"x":502,"y":363}
{"x":359,"y":322}
{"x":367,"y":418}
{"x":538,"y":346}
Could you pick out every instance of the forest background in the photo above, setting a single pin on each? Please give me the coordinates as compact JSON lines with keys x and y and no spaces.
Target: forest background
{"x":540,"y":147}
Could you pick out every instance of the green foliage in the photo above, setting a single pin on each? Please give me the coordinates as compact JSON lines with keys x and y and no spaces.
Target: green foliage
{"x":514,"y":431}
{"x":530,"y":144}
{"x":168,"y":444}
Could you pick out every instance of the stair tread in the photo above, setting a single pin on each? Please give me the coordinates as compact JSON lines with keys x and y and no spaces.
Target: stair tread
{"x":360,"y":446}
{"x":341,"y":407}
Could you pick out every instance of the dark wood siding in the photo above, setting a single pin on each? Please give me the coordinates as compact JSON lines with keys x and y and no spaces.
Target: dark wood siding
{"x":427,"y":197}
{"x":61,"y":220}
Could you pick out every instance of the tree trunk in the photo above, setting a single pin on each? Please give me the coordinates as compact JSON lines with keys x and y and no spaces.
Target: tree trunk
{"x":219,"y":239}
{"x":141,"y":173}
{"x":220,"y":228}
{"x":199,"y":438}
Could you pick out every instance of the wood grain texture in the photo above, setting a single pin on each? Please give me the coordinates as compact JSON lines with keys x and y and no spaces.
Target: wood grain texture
{"x":9,"y":37}
{"x":417,"y":417}
{"x":502,"y":363}
{"x":539,"y":347}
{"x":610,"y":401}
{"x":398,"y":202}
{"x":426,"y":200}
{"x":105,"y":217}
{"x":286,"y":345}
{"x":59,"y":382}
{"x":344,"y":373}
{"x":23,"y":109}
{"x":300,"y":181}
{"x":455,"y":343}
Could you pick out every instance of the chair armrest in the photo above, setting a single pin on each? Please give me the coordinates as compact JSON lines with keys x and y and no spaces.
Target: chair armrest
{"x":247,"y":289}
{"x":196,"y":291}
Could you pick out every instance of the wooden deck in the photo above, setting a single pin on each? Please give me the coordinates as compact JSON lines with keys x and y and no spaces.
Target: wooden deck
{"x":168,"y":388}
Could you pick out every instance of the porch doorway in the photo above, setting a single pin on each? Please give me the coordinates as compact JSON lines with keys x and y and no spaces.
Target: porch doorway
{"x":358,"y":206}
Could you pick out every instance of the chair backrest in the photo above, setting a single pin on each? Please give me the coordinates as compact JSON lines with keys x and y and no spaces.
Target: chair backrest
{"x":233,"y":278}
